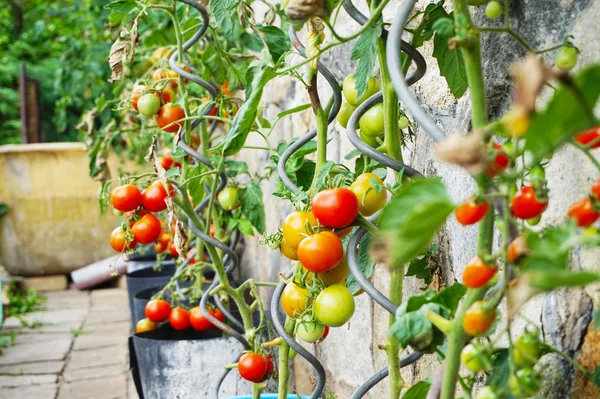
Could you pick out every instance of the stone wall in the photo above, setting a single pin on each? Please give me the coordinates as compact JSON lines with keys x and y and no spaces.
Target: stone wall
{"x":351,"y":353}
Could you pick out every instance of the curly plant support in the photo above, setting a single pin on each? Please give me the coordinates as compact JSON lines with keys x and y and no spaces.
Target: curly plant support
{"x":275,"y":300}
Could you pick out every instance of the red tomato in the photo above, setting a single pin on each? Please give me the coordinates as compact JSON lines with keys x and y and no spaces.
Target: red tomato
{"x":252,"y":366}
{"x":336,"y":207}
{"x":153,"y":197}
{"x":173,"y":250}
{"x":320,"y":252}
{"x":179,"y":319}
{"x":201,"y":323}
{"x":589,"y":136}
{"x":325,"y":334}
{"x":471,"y":212}
{"x":169,"y":94}
{"x":477,"y":274}
{"x":168,"y":116}
{"x":270,"y":368}
{"x":137,"y":92}
{"x":157,"y":310}
{"x":166,"y":161}
{"x":500,"y":163}
{"x":478,"y":319}
{"x":118,"y":240}
{"x":159,"y":248}
{"x":526,"y":205}
{"x":147,"y":229}
{"x":516,"y":249}
{"x":583,"y":213}
{"x":596,"y":189}
{"x":126,"y":197}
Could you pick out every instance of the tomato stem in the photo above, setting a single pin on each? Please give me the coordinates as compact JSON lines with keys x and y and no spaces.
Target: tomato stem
{"x":284,"y":356}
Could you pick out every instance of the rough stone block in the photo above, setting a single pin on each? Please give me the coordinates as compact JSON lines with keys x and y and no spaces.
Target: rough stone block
{"x":12,"y":381}
{"x":50,"y":367}
{"x":99,"y":388}
{"x":36,"y":352}
{"x":112,"y":355}
{"x":91,"y":341}
{"x":75,"y":374}
{"x":46,"y":391}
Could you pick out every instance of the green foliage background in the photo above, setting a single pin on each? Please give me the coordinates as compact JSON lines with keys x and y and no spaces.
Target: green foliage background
{"x":63,"y":44}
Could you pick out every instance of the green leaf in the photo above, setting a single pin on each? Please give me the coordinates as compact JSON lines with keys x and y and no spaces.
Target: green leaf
{"x":365,"y":51}
{"x":450,"y":297}
{"x":304,"y":175}
{"x":221,"y":9}
{"x":3,"y":208}
{"x":424,"y":31}
{"x":252,"y":206}
{"x":551,"y":248}
{"x":414,"y":329}
{"x":195,"y":186}
{"x":245,"y":226}
{"x":323,"y":173}
{"x":595,"y":377}
{"x":257,"y":76}
{"x":564,"y":116}
{"x":122,"y":6}
{"x":417,"y":391}
{"x":451,"y":64}
{"x":235,"y":168}
{"x":501,"y":369}
{"x":278,"y":41}
{"x":299,"y":108}
{"x":365,"y":264}
{"x":413,"y":217}
{"x":419,"y":268}
{"x":444,"y":26}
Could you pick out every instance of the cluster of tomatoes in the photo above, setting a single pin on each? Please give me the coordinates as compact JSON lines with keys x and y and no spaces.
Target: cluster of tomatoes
{"x":158,"y":311}
{"x":524,"y":381}
{"x":371,"y":124}
{"x":317,"y":296}
{"x":141,"y":225}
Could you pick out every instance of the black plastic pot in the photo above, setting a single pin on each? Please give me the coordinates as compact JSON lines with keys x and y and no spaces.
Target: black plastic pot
{"x":183,"y":364}
{"x":147,"y":277}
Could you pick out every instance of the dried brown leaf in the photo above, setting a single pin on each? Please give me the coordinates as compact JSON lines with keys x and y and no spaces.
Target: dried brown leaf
{"x":519,"y":292}
{"x":301,"y":10}
{"x":530,"y":76}
{"x":466,"y":151}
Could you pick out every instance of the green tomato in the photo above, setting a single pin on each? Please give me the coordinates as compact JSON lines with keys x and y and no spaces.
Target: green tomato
{"x":228,"y":198}
{"x":402,"y":122}
{"x":534,"y":221}
{"x":524,"y":384}
{"x":475,"y":357}
{"x":372,"y":141}
{"x":476,"y":2}
{"x":334,"y":306}
{"x":346,"y":111}
{"x":527,"y":349}
{"x":369,"y":200}
{"x":372,"y":123}
{"x":148,"y":105}
{"x":349,"y":89}
{"x":292,"y":354}
{"x":117,"y":212}
{"x":487,"y":393}
{"x":537,"y":176}
{"x":493,"y":10}
{"x":309,"y":330}
{"x":566,"y":59}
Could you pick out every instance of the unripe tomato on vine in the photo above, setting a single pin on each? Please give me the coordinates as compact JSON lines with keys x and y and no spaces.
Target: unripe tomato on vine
{"x":566,"y":58}
{"x":335,"y":207}
{"x":372,"y":122}
{"x":471,"y":212}
{"x":228,"y":198}
{"x":346,"y":110}
{"x":476,"y":357}
{"x":287,"y":251}
{"x":526,"y":205}
{"x":308,"y":329}
{"x":294,"y":227}
{"x":137,"y":93}
{"x":148,"y":105}
{"x":369,"y":200}
{"x":294,"y":299}
{"x":524,"y":383}
{"x":334,"y":306}
{"x":478,"y":319}
{"x":320,"y":252}
{"x":350,"y":92}
{"x":487,"y":393}
{"x":493,"y":9}
{"x":527,"y":349}
{"x":477,"y":273}
{"x":337,"y":275}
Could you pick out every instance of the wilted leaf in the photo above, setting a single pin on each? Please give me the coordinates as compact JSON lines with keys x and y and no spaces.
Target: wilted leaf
{"x":530,"y":76}
{"x":466,"y":151}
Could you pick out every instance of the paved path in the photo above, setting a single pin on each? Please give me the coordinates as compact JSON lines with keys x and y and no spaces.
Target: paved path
{"x":79,"y":351}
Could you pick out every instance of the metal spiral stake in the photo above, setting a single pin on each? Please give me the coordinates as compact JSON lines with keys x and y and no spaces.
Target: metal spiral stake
{"x":230,"y":259}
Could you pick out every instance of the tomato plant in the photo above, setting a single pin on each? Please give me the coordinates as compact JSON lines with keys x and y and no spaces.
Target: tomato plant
{"x":370,"y":192}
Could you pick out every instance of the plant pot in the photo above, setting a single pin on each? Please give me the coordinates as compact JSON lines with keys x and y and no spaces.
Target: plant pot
{"x":184,"y":364}
{"x":145,"y":277}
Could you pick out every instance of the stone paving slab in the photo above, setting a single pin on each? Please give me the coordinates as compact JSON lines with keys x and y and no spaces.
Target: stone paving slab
{"x":118,"y":328}
{"x":46,"y":391}
{"x":36,"y":352}
{"x":110,"y":355}
{"x":65,"y":327}
{"x":75,"y":374}
{"x":106,"y":317}
{"x":91,"y":341}
{"x":100,"y":388}
{"x":35,"y":336}
{"x":52,"y":367}
{"x":48,"y":317}
{"x":10,"y":381}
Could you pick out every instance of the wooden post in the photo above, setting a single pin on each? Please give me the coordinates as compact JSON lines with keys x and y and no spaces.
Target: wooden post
{"x":29,"y":90}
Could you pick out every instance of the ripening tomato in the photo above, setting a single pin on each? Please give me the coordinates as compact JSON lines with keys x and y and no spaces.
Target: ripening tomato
{"x":287,"y":251}
{"x":137,"y":93}
{"x":163,"y":73}
{"x":173,"y":250}
{"x":144,"y":325}
{"x":118,"y":240}
{"x":200,"y":322}
{"x":477,"y":274}
{"x":159,"y":248}
{"x":351,"y":94}
{"x":334,"y":306}
{"x":169,"y":94}
{"x":337,"y":275}
{"x":168,"y":117}
{"x":583,"y":213}
{"x":588,"y":137}
{"x":478,"y":319}
{"x":147,"y":229}
{"x":516,"y":249}
{"x":596,"y":190}
{"x":252,"y":366}
{"x":179,"y":319}
{"x":126,"y":197}
{"x":294,"y":299}
{"x":335,"y":207}
{"x":154,"y":196}
{"x":470,"y":212}
{"x":500,"y":162}
{"x":157,"y":310}
{"x":294,"y":227}
{"x":166,"y":161}
{"x":308,"y":329}
{"x":369,"y":200}
{"x":526,"y":205}
{"x":321,"y":252}
{"x":158,"y":54}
